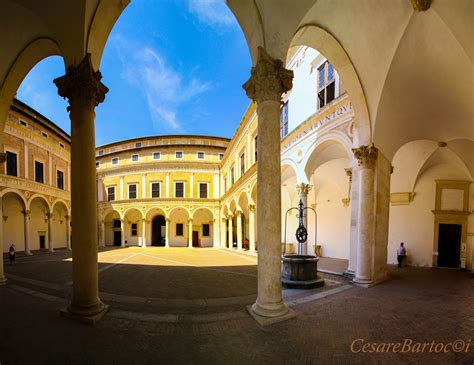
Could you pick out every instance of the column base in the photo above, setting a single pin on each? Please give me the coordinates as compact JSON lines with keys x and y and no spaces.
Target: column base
{"x":349,"y":274}
{"x":89,"y":315}
{"x":3,"y":281}
{"x":369,"y":283}
{"x":28,"y":253}
{"x":279,"y":316}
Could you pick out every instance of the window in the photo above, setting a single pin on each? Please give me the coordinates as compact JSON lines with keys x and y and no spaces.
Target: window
{"x":178,"y":155}
{"x":200,"y":155}
{"x":221,"y":156}
{"x":255,"y":144}
{"x":179,"y":229}
{"x":44,"y":134}
{"x":117,"y":223}
{"x":39,"y":172}
{"x":134,"y":158}
{"x":284,"y":120}
{"x":203,"y":190}
{"x":115,"y":161}
{"x":110,"y":193}
{"x":134,"y":229}
{"x":12,"y":164}
{"x":60,"y":179}
{"x":179,"y":189}
{"x":326,"y":84}
{"x":23,"y":123}
{"x":232,"y":176}
{"x":205,"y":230}
{"x":101,"y":152}
{"x":97,"y":164}
{"x":138,"y":145}
{"x":61,"y":145}
{"x":242,"y":164}
{"x":132,"y":191}
{"x":157,"y":155}
{"x":155,"y":190}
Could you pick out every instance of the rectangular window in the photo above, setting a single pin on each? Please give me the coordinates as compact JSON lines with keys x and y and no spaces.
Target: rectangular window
{"x":138,"y":145}
{"x":110,"y":193}
{"x":178,"y":155}
{"x":12,"y":164}
{"x":44,"y":134}
{"x":284,"y":120}
{"x":39,"y":172}
{"x":221,"y":156}
{"x":200,"y":155}
{"x":117,"y":223}
{"x":179,"y":189}
{"x":155,"y":190}
{"x":134,"y":229}
{"x":97,"y":164}
{"x":203,"y":190}
{"x":115,"y":161}
{"x":255,"y":144}
{"x":179,"y":229}
{"x":60,"y":179}
{"x":326,"y":84}
{"x":242,"y":164}
{"x":157,"y":155}
{"x":23,"y":123}
{"x":134,"y":158}
{"x":205,"y":230}
{"x":61,"y":145}
{"x":232,"y":176}
{"x":101,"y":152}
{"x":132,"y":191}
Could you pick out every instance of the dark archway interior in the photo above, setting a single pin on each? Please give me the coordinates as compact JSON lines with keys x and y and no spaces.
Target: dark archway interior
{"x":158,"y":231}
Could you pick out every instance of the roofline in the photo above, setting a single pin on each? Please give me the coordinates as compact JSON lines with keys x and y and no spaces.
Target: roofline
{"x":164,"y":136}
{"x":20,"y":107}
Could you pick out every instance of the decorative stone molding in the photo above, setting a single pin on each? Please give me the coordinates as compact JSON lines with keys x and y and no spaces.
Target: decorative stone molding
{"x":346,"y":202}
{"x":252,"y":207}
{"x":26,"y":212}
{"x":303,"y":189}
{"x":269,"y":79}
{"x":421,"y":5}
{"x":82,"y":82}
{"x":366,"y":155}
{"x":3,"y":157}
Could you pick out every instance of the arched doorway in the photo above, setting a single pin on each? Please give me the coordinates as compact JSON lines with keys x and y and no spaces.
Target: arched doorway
{"x":158,"y":227}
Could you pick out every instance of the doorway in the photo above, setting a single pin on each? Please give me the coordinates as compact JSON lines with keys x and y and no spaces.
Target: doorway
{"x":449,"y":245}
{"x":195,"y":239}
{"x":42,"y":242}
{"x":158,"y":233}
{"x":117,"y":238}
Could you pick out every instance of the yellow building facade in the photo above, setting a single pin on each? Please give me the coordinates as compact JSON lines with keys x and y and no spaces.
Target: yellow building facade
{"x":35,"y":182}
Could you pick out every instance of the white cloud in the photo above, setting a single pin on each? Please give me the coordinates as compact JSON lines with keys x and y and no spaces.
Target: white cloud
{"x":212,"y":12}
{"x":164,"y":88}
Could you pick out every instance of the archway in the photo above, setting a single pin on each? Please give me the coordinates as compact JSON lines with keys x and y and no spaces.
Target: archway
{"x":203,"y":224}
{"x":158,"y":230}
{"x":179,"y":227}
{"x":113,"y":231}
{"x":59,"y":224}
{"x":13,"y":208}
{"x":38,"y":223}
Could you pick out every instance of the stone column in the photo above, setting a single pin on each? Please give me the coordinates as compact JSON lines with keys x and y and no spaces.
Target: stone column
{"x":122,"y":229}
{"x":2,"y":273}
{"x":223,"y":233}
{"x":82,"y":86}
{"x":366,"y":158}
{"x":252,"y":227}
{"x":26,"y":230}
{"x":239,"y":230}
{"x":190,"y":233}
{"x":215,"y":233}
{"x":269,"y":80}
{"x":167,"y":232}
{"x":231,"y":232}
{"x":303,"y":190}
{"x":50,"y":232}
{"x":102,"y":233}
{"x":144,"y":233}
{"x":68,"y":231}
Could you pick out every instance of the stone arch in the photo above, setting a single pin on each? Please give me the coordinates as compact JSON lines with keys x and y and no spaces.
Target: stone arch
{"x":203,"y":216}
{"x":320,"y":39}
{"x":133,"y":226}
{"x":179,"y":226}
{"x":112,"y":231}
{"x":39,"y":210}
{"x":15,"y":192}
{"x":60,"y":216}
{"x":61,"y":201}
{"x":151,"y":213}
{"x":13,"y":207}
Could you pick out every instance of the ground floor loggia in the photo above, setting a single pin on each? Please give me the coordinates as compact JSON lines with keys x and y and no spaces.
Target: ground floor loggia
{"x":203,"y":292}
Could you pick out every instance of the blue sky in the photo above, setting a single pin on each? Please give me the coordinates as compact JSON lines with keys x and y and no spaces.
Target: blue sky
{"x":172,"y":67}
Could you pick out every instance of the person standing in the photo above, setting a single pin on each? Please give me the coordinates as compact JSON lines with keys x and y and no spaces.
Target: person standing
{"x":11,"y":253}
{"x":401,"y":253}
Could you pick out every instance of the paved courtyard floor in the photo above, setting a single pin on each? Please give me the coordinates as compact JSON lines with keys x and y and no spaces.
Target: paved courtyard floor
{"x":187,"y":306}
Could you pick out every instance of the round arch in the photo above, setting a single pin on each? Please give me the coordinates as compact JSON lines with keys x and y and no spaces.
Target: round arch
{"x":39,"y":197}
{"x":15,"y":192}
{"x":13,"y":208}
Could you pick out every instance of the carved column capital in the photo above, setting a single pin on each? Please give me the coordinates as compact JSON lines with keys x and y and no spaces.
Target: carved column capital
{"x":269,"y":79}
{"x":252,"y":207}
{"x":421,"y":5}
{"x":366,"y":155}
{"x":303,"y":189}
{"x":26,"y":213}
{"x":81,"y":82}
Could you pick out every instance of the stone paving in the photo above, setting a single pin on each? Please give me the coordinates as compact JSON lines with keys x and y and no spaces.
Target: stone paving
{"x":421,"y":305}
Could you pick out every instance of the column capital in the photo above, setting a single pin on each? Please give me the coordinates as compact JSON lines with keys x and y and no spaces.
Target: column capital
{"x":26,"y":212}
{"x":303,"y":189}
{"x":230,"y":216}
{"x":252,"y":207}
{"x":190,"y":220}
{"x":167,"y":220}
{"x":421,"y":5}
{"x":82,"y":82}
{"x":49,"y":215}
{"x":238,"y":213}
{"x":366,"y":155}
{"x":269,"y":79}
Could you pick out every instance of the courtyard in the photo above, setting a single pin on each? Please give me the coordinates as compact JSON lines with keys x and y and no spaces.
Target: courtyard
{"x":188,"y":306}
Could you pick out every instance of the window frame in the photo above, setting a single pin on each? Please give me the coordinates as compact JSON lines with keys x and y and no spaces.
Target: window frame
{"x":184,"y":189}
{"x":242,"y":163}
{"x":34,"y":164}
{"x":136,"y":190}
{"x":133,"y":229}
{"x":97,"y":164}
{"x":208,"y":230}
{"x":133,"y":155}
{"x":159,"y":155}
{"x":138,"y":145}
{"x":57,"y":181}
{"x":114,"y":187}
{"x":6,"y":162}
{"x":159,"y":189}
{"x":203,"y":155}
{"x":176,"y":155}
{"x":182,"y":230}
{"x":221,"y":156}
{"x":207,"y":189}
{"x":112,"y":161}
